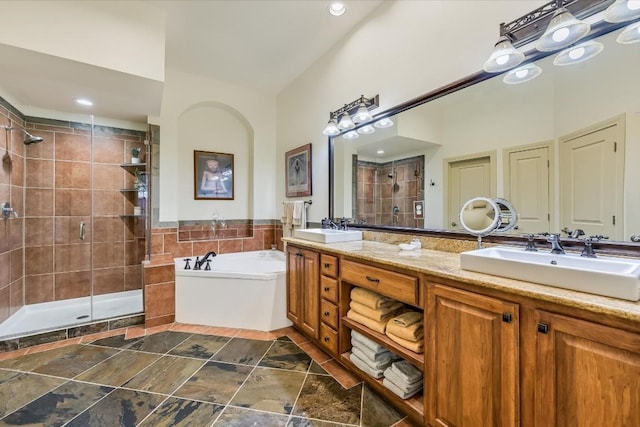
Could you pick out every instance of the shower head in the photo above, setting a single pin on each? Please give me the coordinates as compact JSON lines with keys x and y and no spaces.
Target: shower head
{"x":390,"y":175}
{"x":30,"y":139}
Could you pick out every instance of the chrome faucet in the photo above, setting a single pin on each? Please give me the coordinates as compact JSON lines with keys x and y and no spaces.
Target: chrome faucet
{"x":588,"y":251}
{"x":556,"y":244}
{"x":575,"y":234}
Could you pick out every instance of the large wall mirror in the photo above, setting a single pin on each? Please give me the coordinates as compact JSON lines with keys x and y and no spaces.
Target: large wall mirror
{"x":563,"y":148}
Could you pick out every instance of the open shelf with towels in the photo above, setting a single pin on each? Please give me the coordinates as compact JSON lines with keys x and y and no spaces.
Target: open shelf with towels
{"x":413,"y":406}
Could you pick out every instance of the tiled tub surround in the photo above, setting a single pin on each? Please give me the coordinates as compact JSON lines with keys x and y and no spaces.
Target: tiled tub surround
{"x":191,"y":239}
{"x":182,"y":375}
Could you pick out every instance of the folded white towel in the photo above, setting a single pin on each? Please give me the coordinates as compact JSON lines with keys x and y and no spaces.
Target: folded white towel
{"x":400,"y":382}
{"x":381,"y":364}
{"x":398,"y":391}
{"x":367,"y":342}
{"x":406,"y":371}
{"x":360,"y":364}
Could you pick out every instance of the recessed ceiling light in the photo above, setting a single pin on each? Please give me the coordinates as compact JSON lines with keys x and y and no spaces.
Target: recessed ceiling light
{"x":380,"y":152}
{"x":337,"y":8}
{"x":83,"y":101}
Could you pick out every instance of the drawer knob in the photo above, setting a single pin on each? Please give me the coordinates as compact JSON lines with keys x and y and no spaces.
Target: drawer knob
{"x":326,"y":288}
{"x":326,"y":339}
{"x":326,"y":314}
{"x":327,"y":265}
{"x":372,"y":279}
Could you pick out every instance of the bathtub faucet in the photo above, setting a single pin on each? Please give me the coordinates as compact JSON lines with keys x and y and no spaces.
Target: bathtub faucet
{"x":205,"y":259}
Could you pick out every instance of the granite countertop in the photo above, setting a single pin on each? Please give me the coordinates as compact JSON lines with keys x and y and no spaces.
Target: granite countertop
{"x":447,"y":265}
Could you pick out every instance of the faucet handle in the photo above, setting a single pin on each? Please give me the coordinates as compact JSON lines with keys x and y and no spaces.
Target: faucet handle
{"x":598,"y":237}
{"x":531,"y":243}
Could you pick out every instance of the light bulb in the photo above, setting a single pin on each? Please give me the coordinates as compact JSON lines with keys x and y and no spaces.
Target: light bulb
{"x":576,"y":53}
{"x":560,"y":35}
{"x":521,"y":73}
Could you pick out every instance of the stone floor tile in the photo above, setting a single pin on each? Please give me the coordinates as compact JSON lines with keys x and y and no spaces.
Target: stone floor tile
{"x":271,"y":390}
{"x":215,"y":382}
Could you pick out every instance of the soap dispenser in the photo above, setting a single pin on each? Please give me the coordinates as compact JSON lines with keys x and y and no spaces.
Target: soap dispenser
{"x":417,"y":243}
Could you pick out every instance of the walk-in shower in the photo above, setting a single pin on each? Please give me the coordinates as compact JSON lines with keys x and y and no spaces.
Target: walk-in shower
{"x":72,"y":253}
{"x":385,"y":191}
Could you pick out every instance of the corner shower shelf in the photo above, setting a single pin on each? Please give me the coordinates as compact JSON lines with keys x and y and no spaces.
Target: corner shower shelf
{"x":132,"y":167}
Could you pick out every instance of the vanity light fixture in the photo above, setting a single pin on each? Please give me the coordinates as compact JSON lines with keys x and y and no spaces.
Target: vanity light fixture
{"x":351,"y":135}
{"x":366,"y":130}
{"x":553,"y":26}
{"x":622,"y":11}
{"x":579,"y":53}
{"x":384,"y":123}
{"x":359,"y":108}
{"x":522,"y":74}
{"x":503,"y":57}
{"x":563,"y":30}
{"x":631,"y":34}
{"x":337,"y":8}
{"x":346,"y":122}
{"x":332,"y":127}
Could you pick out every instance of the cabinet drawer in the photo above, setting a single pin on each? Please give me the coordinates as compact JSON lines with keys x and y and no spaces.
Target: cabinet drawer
{"x":328,"y":338}
{"x":394,"y":285}
{"x":329,"y":265}
{"x":329,"y":313}
{"x":329,"y":289}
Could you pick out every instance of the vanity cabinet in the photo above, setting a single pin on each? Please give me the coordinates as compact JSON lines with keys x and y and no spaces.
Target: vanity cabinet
{"x":303,"y":285}
{"x":472,"y":363}
{"x":587,"y":374}
{"x":492,"y":357}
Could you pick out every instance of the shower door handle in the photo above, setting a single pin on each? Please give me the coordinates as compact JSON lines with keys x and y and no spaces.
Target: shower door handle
{"x":82,"y":230}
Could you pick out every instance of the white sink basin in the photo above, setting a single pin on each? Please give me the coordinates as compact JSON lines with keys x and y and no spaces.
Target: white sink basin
{"x":612,"y":277}
{"x":325,"y":235}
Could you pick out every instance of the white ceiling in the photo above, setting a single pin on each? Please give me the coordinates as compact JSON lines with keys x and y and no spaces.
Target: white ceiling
{"x":258,"y":44}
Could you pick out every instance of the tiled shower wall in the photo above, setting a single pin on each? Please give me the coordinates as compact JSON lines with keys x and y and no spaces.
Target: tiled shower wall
{"x":386,"y":191}
{"x":42,"y":257}
{"x":59,"y":195}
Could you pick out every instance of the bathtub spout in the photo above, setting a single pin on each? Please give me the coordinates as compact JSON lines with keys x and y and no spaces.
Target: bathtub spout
{"x":201,"y":261}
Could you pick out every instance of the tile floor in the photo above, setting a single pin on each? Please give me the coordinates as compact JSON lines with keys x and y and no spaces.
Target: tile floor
{"x":181,"y":375}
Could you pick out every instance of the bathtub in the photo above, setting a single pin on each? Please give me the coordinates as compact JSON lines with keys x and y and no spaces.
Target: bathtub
{"x":245,"y":290}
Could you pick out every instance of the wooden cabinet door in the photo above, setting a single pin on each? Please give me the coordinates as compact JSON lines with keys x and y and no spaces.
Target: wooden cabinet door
{"x":586,"y":374}
{"x":294,"y":285}
{"x":472,"y":362}
{"x":303,"y":289}
{"x":311,"y":292}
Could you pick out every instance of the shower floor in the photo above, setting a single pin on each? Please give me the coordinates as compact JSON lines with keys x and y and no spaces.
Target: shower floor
{"x":49,"y":316}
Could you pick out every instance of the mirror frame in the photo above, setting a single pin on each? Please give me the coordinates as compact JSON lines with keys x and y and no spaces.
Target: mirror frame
{"x":616,"y":248}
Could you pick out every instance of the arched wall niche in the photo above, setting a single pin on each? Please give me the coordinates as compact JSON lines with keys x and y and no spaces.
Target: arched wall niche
{"x":215,"y":127}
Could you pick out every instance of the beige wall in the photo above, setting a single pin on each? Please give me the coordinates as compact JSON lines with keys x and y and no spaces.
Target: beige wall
{"x":400,"y":51}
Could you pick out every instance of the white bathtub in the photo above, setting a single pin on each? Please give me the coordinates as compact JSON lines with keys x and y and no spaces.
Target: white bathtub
{"x":244,"y":290}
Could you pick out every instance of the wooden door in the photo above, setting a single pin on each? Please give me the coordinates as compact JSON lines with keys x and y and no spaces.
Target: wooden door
{"x":310,"y":304}
{"x":587,"y":374}
{"x":467,"y":179}
{"x":527,"y":188}
{"x":591,"y":182}
{"x":472,"y":362}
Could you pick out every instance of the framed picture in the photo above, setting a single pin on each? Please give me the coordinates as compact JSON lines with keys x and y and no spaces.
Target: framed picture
{"x":298,"y":173}
{"x":212,"y":176}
